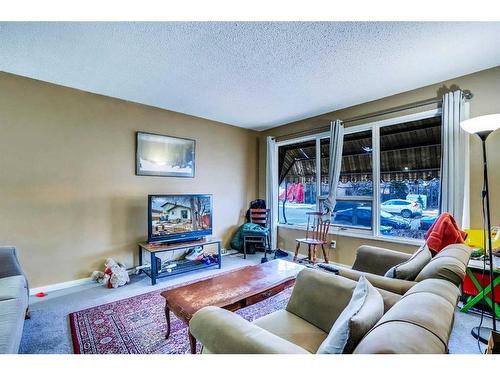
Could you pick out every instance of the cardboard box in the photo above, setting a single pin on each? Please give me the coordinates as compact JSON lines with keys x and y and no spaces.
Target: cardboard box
{"x":493,"y":343}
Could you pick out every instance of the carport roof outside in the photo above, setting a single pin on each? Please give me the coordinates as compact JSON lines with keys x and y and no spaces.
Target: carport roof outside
{"x":408,"y":151}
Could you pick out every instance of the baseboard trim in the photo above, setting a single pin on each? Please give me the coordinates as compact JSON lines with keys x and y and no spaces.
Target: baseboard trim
{"x":86,"y":280}
{"x":59,"y":286}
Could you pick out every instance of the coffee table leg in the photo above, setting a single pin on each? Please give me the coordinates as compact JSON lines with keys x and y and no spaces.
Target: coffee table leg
{"x":167,"y":316}
{"x":192,"y":343}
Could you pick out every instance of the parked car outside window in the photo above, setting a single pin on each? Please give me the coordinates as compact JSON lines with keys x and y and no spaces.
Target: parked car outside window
{"x":362,"y":216}
{"x":402,"y":207}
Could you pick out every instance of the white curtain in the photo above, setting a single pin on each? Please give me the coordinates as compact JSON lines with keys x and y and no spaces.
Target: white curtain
{"x":335,"y":156}
{"x":454,"y":197}
{"x":272,"y":188}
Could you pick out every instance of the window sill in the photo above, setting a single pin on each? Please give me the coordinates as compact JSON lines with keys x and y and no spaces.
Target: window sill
{"x":360,"y":234}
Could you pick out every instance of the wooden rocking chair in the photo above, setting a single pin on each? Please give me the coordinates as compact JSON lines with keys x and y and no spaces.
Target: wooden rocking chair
{"x":317,"y":231}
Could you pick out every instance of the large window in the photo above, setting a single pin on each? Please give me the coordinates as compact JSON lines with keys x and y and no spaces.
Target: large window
{"x":410,"y":162}
{"x":355,"y":190}
{"x":389,"y":181}
{"x":297,"y":182}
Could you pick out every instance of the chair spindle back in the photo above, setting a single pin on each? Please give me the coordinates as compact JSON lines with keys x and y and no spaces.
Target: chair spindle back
{"x":318,"y":228}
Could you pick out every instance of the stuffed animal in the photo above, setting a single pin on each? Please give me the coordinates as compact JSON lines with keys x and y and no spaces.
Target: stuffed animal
{"x":115,"y":274}
{"x":100,"y":277}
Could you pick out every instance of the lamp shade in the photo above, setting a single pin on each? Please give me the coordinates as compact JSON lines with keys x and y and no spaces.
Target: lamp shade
{"x":486,"y":123}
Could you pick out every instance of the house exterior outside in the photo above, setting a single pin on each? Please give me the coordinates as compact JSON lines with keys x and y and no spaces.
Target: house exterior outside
{"x":175,"y":212}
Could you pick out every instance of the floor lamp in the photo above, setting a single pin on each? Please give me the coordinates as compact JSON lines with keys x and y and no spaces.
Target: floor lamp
{"x":483,"y":126}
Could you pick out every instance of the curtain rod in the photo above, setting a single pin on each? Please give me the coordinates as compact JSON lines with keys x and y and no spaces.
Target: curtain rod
{"x":421,"y":103}
{"x":388,"y":111}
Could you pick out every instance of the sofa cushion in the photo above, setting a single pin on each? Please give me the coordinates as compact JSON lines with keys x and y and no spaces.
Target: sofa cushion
{"x":420,"y":322}
{"x":292,"y":328}
{"x":439,"y":287}
{"x":11,"y":325}
{"x":449,"y":264}
{"x":409,"y":269}
{"x":393,"y":285}
{"x":365,"y":308}
{"x":377,"y":260}
{"x":400,"y":338}
{"x":319,"y":298}
{"x":13,"y":287}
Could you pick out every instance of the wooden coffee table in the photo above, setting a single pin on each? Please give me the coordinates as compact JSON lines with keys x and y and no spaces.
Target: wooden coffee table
{"x":232,"y":291}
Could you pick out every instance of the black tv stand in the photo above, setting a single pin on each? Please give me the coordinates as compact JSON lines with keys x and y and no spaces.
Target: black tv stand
{"x":182,"y":265}
{"x":176,"y":241}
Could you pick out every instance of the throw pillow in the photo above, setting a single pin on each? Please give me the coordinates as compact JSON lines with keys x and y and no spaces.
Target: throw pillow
{"x":364,"y":310}
{"x":411,"y":268}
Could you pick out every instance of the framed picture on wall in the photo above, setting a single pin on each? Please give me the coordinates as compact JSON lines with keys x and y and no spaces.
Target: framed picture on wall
{"x":162,"y":155}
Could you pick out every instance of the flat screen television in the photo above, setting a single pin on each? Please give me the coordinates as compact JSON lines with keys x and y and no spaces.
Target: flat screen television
{"x":179,"y":217}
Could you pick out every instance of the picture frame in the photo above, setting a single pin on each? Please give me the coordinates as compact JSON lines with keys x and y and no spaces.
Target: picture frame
{"x":164,"y":156}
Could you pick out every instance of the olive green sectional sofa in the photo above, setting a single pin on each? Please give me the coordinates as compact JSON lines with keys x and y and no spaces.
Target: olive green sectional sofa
{"x":418,"y":314}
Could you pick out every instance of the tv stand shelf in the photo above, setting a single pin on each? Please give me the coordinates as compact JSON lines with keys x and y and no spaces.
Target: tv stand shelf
{"x":183,"y":265}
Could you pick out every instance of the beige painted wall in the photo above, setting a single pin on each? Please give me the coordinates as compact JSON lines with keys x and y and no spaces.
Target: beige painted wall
{"x":69,"y":194}
{"x":484,"y":85}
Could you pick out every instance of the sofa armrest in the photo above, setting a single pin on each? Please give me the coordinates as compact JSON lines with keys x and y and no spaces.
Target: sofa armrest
{"x":223,"y":332}
{"x":10,"y":266}
{"x":377,"y":260}
{"x":380,"y":282}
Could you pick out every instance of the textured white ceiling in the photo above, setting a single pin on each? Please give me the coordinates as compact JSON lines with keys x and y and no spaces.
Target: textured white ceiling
{"x":254,"y":75}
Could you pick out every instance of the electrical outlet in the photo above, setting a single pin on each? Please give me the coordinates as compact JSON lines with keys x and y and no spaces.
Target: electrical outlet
{"x":333,"y":244}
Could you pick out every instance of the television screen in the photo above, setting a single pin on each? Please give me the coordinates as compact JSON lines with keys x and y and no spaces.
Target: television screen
{"x":179,"y":217}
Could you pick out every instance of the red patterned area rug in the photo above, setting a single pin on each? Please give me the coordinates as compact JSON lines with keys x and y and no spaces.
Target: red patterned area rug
{"x":137,"y":325}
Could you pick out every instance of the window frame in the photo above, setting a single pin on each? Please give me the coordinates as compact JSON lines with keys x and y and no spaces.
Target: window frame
{"x":374,"y":127}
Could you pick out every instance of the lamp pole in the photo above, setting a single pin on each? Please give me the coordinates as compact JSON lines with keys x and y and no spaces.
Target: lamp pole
{"x":483,"y":135}
{"x":483,"y":126}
